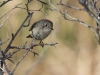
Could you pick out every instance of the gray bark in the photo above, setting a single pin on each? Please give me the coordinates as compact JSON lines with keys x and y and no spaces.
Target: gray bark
{"x":1,"y":63}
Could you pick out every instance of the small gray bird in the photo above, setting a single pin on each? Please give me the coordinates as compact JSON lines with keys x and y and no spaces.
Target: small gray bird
{"x":40,"y":30}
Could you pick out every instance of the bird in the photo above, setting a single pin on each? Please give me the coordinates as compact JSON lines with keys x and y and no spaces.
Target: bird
{"x":40,"y":30}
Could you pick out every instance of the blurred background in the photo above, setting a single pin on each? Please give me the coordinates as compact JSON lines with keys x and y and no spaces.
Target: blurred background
{"x":77,"y":51}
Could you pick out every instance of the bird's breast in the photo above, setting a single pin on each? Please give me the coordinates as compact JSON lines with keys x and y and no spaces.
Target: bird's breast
{"x":39,"y":33}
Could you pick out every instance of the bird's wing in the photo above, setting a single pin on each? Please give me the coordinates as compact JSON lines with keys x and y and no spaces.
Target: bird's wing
{"x":35,"y":24}
{"x":32,"y":26}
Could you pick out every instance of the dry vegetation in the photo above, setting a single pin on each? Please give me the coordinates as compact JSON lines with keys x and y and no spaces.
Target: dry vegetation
{"x":77,"y":51}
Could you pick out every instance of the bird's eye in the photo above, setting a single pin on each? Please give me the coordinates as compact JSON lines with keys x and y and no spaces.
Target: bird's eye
{"x":45,"y":25}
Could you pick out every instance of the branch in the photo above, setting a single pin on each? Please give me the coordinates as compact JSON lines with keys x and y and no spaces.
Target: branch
{"x":72,"y":7}
{"x":1,"y":43}
{"x":5,"y":20}
{"x":1,"y":63}
{"x":40,"y":9}
{"x":19,"y":48}
{"x":10,"y":10}
{"x":4,"y":2}
{"x":34,"y":45}
{"x":6,"y":68}
{"x":42,"y":2}
{"x":65,"y":15}
{"x":14,"y":35}
{"x":86,"y":4}
{"x":28,"y":49}
{"x":19,"y":62}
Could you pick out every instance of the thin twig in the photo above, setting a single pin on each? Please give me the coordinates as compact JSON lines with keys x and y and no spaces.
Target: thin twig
{"x":42,"y":2}
{"x":3,"y":71}
{"x":19,"y":62}
{"x":40,"y":9}
{"x":71,"y":18}
{"x":34,"y":45}
{"x":14,"y":35}
{"x":6,"y":68}
{"x":10,"y":10}
{"x":72,"y":7}
{"x":5,"y":20}
{"x":28,"y":49}
{"x":4,"y":2}
{"x":1,"y":43}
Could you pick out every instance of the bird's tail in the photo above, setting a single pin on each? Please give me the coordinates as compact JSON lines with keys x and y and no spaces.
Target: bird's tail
{"x":29,"y":36}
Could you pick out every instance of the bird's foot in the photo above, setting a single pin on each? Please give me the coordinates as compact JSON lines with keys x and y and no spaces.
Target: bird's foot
{"x":41,"y":43}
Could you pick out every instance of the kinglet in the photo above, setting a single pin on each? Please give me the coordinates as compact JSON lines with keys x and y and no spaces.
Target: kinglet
{"x":40,"y":30}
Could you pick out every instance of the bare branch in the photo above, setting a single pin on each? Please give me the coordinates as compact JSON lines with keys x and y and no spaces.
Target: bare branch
{"x":92,"y":5}
{"x":10,"y":10}
{"x":72,"y":7}
{"x":94,"y":14}
{"x":42,"y":2}
{"x":1,"y":63}
{"x":34,"y":45}
{"x":7,"y":56}
{"x":5,"y":20}
{"x":14,"y":35}
{"x":3,"y":71}
{"x":4,"y":2}
{"x":1,"y":43}
{"x":40,"y":9}
{"x":6,"y":68}
{"x":86,"y":4}
{"x":81,"y":22}
{"x":19,"y":62}
{"x":28,"y":49}
{"x":65,"y":14}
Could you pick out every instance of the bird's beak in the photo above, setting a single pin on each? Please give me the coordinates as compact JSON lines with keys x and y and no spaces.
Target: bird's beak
{"x":51,"y":28}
